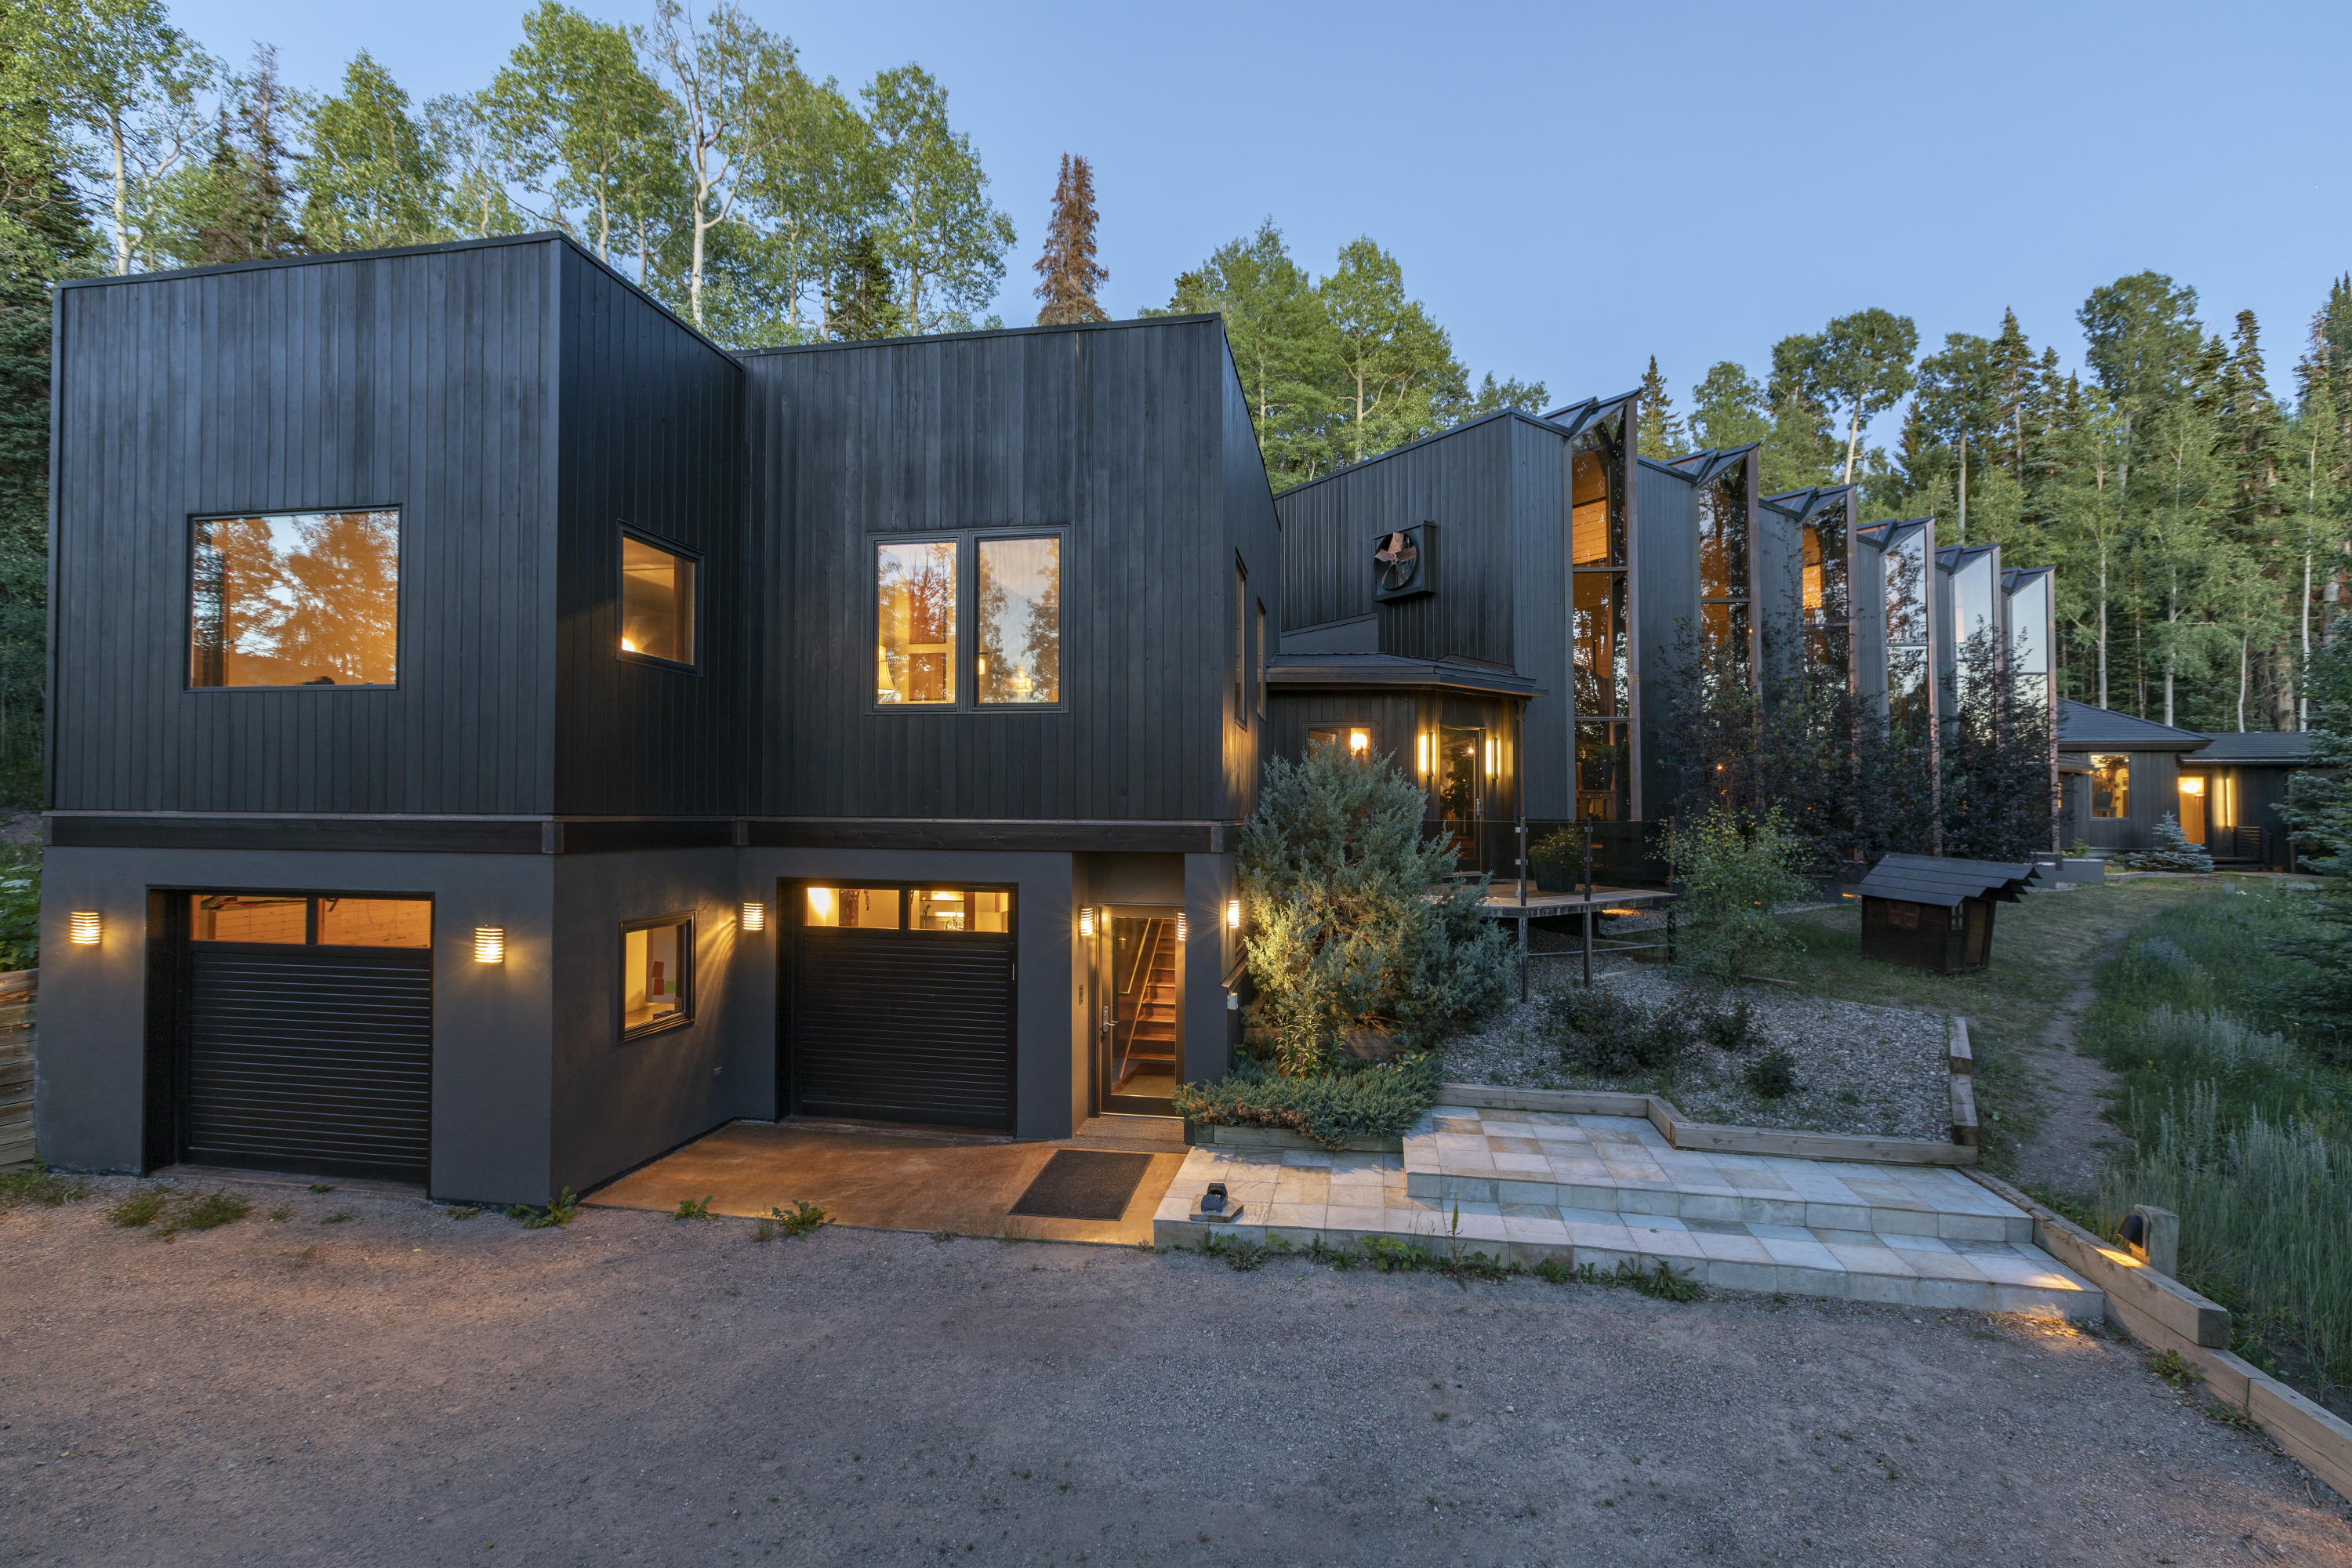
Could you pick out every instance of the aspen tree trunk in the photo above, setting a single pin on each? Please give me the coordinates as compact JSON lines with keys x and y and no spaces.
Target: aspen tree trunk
{"x":2242,"y":683}
{"x":121,"y":200}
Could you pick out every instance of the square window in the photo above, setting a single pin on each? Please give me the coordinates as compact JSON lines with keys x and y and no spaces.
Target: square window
{"x":1019,"y":621}
{"x":249,"y":917}
{"x":307,"y":598}
{"x":376,"y":922}
{"x":657,"y":602}
{"x":657,"y":974}
{"x":915,"y":623}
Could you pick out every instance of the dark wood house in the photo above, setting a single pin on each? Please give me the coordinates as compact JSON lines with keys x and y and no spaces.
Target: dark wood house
{"x":2120,"y":773}
{"x":498,"y":735}
{"x":2231,"y":792}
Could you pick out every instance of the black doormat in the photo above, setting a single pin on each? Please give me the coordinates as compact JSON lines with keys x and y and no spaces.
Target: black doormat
{"x":1083,"y":1183}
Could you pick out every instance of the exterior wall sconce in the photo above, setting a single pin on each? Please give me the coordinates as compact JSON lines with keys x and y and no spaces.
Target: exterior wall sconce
{"x":755,"y":916}
{"x":489,"y":944}
{"x":1179,"y":925}
{"x":1232,"y":914}
{"x":1427,"y":744}
{"x":85,"y":927}
{"x":1494,"y":749}
{"x":1086,"y":922}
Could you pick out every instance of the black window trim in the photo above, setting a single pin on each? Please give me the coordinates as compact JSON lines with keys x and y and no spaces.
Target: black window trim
{"x":188,"y":599}
{"x":967,"y":541}
{"x":310,"y":915}
{"x":620,"y":587}
{"x":685,"y":1016}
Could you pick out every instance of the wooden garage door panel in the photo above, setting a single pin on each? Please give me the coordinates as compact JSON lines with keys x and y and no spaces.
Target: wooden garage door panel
{"x":904,"y":1027}
{"x":311,"y":1060}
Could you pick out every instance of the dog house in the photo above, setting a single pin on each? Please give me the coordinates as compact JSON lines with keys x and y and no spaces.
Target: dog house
{"x":1936,"y":913}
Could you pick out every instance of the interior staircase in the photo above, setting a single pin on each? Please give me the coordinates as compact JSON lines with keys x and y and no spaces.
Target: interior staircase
{"x":1147,"y":1008}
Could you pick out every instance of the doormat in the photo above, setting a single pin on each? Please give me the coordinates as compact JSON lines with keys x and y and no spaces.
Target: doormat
{"x":1083,"y":1183}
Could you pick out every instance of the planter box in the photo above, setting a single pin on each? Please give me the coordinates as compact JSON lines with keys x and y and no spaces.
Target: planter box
{"x":1282,"y":1138}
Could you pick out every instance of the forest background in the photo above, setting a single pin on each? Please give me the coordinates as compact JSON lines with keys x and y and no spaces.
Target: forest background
{"x":2198,"y":508}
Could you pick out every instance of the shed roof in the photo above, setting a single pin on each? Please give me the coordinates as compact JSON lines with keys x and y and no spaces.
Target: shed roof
{"x":1361,"y":669}
{"x":2273,"y":748}
{"x":1941,"y":880}
{"x":2082,"y":727}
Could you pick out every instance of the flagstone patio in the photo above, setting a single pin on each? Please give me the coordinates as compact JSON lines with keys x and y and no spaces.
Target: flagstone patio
{"x":1532,"y":1185}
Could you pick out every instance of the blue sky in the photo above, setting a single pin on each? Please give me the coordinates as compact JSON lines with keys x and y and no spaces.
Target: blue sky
{"x":1572,"y":188}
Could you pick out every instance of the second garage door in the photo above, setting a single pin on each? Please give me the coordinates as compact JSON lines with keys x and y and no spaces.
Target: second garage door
{"x":900,"y":1004}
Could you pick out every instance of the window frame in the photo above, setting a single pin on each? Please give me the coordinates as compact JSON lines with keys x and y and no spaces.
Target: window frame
{"x":2124,"y":759}
{"x":1241,"y":642}
{"x":967,"y":541}
{"x":311,"y":913}
{"x":684,"y":1017}
{"x":905,"y":889}
{"x":1264,"y":712}
{"x":620,"y":590}
{"x":1340,"y":728}
{"x":188,"y":597}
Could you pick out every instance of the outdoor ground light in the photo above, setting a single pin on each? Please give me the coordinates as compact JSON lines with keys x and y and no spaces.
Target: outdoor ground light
{"x":1232,"y":914}
{"x":755,"y":916}
{"x":489,"y":944}
{"x":85,"y":927}
{"x":1086,"y":922}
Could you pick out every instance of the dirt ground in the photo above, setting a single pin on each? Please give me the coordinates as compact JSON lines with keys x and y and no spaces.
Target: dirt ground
{"x":399,"y":1386}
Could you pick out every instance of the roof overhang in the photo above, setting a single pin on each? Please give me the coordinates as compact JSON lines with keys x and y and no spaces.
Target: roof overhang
{"x":1368,"y":670}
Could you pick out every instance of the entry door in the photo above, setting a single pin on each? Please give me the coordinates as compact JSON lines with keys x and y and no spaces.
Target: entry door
{"x":2193,"y":808}
{"x":1461,"y":792}
{"x":1140,"y":1010}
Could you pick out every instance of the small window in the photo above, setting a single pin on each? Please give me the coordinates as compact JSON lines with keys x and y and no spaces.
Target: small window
{"x":2110,"y":786}
{"x":657,"y":602}
{"x":297,"y":919}
{"x":305,"y":598}
{"x":870,"y":909}
{"x":915,"y":623}
{"x":1019,"y":621}
{"x":657,"y":974}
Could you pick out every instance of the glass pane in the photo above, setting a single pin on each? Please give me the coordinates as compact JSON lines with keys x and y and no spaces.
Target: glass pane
{"x":1906,"y":590}
{"x":376,"y":922}
{"x":1603,"y":784}
{"x":306,"y":599}
{"x":1722,"y":543}
{"x":938,"y":910}
{"x":1973,"y":597}
{"x":657,"y":602}
{"x":2111,"y":787}
{"x":2028,"y":627}
{"x":914,"y":653}
{"x":1459,"y":772}
{"x":992,"y":911}
{"x":1598,"y":628}
{"x":1825,"y":569}
{"x":867,"y":908}
{"x":242,"y":917}
{"x":1020,"y":620}
{"x":1907,"y":685}
{"x":653,"y":975}
{"x":1726,"y":626}
{"x":1825,"y":649}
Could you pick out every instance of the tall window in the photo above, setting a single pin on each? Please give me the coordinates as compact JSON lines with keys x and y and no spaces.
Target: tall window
{"x":915,"y":623}
{"x":1261,"y":659}
{"x":1723,"y":564}
{"x":657,"y":602}
{"x":303,"y":598}
{"x":1597,"y":610}
{"x":1909,"y":694}
{"x":1019,"y":621}
{"x":657,"y":974}
{"x":2110,"y":786}
{"x":1009,"y":591}
{"x":1828,"y":605}
{"x":1241,"y":645}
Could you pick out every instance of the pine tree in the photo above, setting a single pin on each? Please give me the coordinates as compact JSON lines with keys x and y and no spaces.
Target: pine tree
{"x":859,"y":305}
{"x":1727,"y":411}
{"x":2319,"y":797}
{"x":1067,"y":269}
{"x":244,"y":209}
{"x":1661,"y":434}
{"x":2174,"y":851}
{"x":1282,"y":344}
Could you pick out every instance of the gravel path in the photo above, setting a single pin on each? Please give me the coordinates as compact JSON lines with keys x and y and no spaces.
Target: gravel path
{"x":1859,"y":1068}
{"x":402,"y":1388}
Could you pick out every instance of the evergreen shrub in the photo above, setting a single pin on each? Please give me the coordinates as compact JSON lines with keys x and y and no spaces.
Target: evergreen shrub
{"x":1600,"y":1032}
{"x":2174,"y":851}
{"x":1349,"y":1100}
{"x":1732,"y":869}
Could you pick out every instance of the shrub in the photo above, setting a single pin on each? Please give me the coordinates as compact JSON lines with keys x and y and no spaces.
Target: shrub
{"x":2174,"y":851}
{"x":1773,"y":1075}
{"x":20,"y":917}
{"x":36,"y":1184}
{"x":1729,"y":1027}
{"x":1350,"y":1100}
{"x":139,"y":1208}
{"x":1346,"y":934}
{"x":1600,"y":1032}
{"x":1732,"y":869}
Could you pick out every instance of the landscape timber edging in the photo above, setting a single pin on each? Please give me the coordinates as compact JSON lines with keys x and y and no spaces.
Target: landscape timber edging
{"x":1962,"y":1062}
{"x":1681,"y":1133}
{"x":1228,"y":1136}
{"x":2164,"y":1314}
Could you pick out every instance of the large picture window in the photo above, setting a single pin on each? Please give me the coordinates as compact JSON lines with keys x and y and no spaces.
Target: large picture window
{"x":302,"y":598}
{"x":657,"y":602}
{"x":2110,"y":786}
{"x":657,"y":974}
{"x":1007,"y":591}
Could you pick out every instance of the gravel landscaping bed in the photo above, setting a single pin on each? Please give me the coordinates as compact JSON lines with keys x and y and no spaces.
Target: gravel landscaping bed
{"x":1860,"y":1069}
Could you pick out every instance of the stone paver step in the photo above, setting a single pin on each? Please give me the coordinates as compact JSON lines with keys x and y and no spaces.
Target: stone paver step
{"x":1623,"y":1165}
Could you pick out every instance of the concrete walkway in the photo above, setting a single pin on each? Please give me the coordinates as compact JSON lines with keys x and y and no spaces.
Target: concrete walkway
{"x":1604,"y":1190}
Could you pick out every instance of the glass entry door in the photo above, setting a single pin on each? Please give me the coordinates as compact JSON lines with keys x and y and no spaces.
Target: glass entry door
{"x":1140,"y":1010}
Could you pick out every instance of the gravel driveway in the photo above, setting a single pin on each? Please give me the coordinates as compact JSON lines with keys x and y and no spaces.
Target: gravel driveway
{"x":401,"y":1387}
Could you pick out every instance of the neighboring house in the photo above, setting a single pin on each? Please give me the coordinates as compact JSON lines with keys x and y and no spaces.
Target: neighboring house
{"x":498,"y":735}
{"x":2124,"y":774}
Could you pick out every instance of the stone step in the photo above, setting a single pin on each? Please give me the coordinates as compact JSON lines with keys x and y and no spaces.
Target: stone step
{"x":1623,"y":1166}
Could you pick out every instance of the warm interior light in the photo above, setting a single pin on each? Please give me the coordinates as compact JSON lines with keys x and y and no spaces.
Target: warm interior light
{"x":86,"y":926}
{"x":1179,"y":927}
{"x":628,"y":646}
{"x":755,"y":916}
{"x":489,"y":944}
{"x":2193,"y":784}
{"x":1086,"y":922}
{"x":1234,"y":914}
{"x":1360,"y":742}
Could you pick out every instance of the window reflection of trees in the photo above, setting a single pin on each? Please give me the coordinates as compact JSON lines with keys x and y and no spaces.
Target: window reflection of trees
{"x":1019,"y":621}
{"x":916,"y":586}
{"x":296,"y":599}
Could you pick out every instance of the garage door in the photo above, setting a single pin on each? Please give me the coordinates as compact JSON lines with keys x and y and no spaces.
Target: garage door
{"x":308,"y":1035}
{"x":901,"y":1005}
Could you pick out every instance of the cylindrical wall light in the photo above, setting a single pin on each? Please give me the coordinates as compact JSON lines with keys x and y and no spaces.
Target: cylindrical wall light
{"x":1491,"y":747}
{"x":1179,"y":925}
{"x":755,"y":916}
{"x":85,"y":927}
{"x":1086,"y":922}
{"x":489,"y":944}
{"x":1234,"y":914}
{"x":1427,"y":744}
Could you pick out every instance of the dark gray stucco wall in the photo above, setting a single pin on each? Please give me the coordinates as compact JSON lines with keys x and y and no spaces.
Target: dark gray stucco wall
{"x":492,"y":1023}
{"x":1210,"y":948}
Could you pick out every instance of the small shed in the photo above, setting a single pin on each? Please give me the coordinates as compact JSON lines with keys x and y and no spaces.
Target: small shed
{"x":1936,"y":913}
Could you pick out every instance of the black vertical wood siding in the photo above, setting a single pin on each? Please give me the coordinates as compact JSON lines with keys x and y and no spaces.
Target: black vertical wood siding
{"x":651,"y":435}
{"x":422,"y":380}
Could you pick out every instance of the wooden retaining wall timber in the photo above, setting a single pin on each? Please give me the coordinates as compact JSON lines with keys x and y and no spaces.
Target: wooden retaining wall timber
{"x":19,"y":993}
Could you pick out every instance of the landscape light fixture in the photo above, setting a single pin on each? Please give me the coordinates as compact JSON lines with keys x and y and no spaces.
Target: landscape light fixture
{"x":85,"y":927}
{"x":489,"y":944}
{"x":1086,"y":922}
{"x":755,"y":916}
